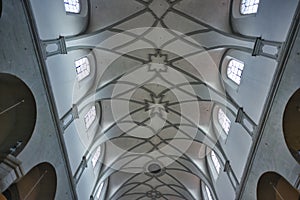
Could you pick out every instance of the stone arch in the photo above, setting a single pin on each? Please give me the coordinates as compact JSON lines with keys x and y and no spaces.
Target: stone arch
{"x":272,"y":186}
{"x":39,"y":183}
{"x":291,"y":127}
{"x":17,"y":114}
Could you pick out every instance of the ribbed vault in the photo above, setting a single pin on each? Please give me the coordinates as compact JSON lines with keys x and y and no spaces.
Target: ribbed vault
{"x":158,"y":87}
{"x":157,"y":82}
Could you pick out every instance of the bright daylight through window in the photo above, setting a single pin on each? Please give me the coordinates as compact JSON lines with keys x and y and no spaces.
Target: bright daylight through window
{"x":235,"y":70}
{"x":215,"y":161}
{"x":99,"y":191}
{"x":208,"y":193}
{"x":72,"y":6}
{"x":82,"y":68}
{"x":249,"y":6}
{"x":90,"y":117}
{"x":96,"y":156}
{"x":224,"y":121}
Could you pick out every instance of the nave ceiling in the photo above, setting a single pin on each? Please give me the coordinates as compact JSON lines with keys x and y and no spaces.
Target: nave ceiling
{"x":160,"y":94}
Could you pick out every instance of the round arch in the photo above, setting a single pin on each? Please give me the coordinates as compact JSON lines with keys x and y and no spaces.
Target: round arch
{"x":291,"y":126}
{"x":17,"y":114}
{"x":39,"y":183}
{"x":272,"y":186}
{"x":2,"y":197}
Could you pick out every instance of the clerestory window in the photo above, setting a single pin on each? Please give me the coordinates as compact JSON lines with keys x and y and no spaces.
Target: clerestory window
{"x":209,"y":196}
{"x":224,"y":121}
{"x":90,"y":117}
{"x":96,"y":156}
{"x":249,"y":6}
{"x":234,"y":70}
{"x":99,"y":191}
{"x":216,"y":162}
{"x":72,"y":6}
{"x":82,"y":68}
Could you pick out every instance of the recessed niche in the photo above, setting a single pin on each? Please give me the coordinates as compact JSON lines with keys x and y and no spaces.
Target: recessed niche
{"x":291,"y":126}
{"x":17,"y":114}
{"x":272,"y":186}
{"x":39,"y":183}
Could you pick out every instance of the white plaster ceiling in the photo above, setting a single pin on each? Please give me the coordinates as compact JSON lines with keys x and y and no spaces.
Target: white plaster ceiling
{"x":155,"y":73}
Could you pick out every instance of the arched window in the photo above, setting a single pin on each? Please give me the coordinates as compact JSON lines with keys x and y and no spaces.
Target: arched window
{"x":224,"y":121}
{"x":99,"y":191}
{"x":235,"y":70}
{"x":96,"y":156}
{"x":208,"y":194}
{"x":90,"y":117}
{"x":82,"y":68}
{"x":249,"y":6}
{"x":72,"y":6}
{"x":215,"y":161}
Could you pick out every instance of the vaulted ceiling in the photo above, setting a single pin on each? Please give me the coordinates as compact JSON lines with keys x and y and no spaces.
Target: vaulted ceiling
{"x":161,"y":97}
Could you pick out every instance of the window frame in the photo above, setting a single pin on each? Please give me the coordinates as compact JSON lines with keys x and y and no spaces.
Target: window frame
{"x":216,"y":162}
{"x":82,"y":64}
{"x":243,"y":2}
{"x":99,"y":191}
{"x":96,"y":157}
{"x":223,"y":120}
{"x":69,"y":11}
{"x":235,"y":67}
{"x":90,"y":117}
{"x":208,"y":193}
